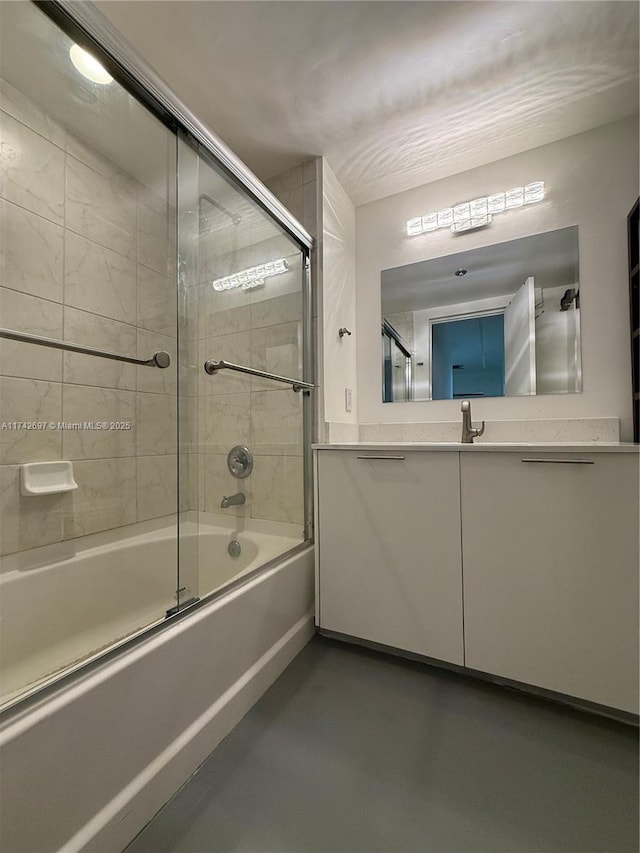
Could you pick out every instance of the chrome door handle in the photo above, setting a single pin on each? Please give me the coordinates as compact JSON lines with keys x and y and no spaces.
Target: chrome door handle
{"x":561,"y":461}
{"x":399,"y":458}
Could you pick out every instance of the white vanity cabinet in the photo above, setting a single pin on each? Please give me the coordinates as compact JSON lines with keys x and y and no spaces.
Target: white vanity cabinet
{"x":389,"y":549}
{"x":550,"y":562}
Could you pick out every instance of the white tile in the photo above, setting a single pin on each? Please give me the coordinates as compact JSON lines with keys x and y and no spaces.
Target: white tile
{"x":36,"y":316}
{"x":31,"y":170}
{"x":27,"y":522}
{"x":88,"y":155}
{"x":99,"y":280}
{"x":310,"y":209}
{"x":277,"y":489}
{"x":293,"y":200}
{"x":100,"y":209}
{"x":91,"y":406}
{"x":157,"y":302}
{"x":309,"y":171}
{"x":275,"y":349}
{"x":30,"y":401}
{"x":276,"y":310}
{"x":156,"y":238}
{"x":105,"y":498}
{"x":157,"y":486}
{"x":86,"y":329}
{"x":156,"y":418}
{"x":22,"y":109}
{"x":288,"y":180}
{"x":276,"y":422}
{"x":226,"y":422}
{"x":223,"y":312}
{"x":31,"y":252}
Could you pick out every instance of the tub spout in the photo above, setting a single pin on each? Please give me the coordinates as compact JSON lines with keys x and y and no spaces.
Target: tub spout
{"x":233,"y":500}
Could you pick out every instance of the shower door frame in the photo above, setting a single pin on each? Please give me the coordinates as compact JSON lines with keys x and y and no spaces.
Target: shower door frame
{"x":87,"y":26}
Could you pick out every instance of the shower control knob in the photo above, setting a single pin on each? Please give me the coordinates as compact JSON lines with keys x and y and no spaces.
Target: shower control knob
{"x":240,"y":461}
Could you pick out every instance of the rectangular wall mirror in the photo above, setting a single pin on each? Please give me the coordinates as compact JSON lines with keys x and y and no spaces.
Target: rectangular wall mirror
{"x":498,"y":321}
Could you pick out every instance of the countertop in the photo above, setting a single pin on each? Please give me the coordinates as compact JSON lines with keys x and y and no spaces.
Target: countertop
{"x":493,"y":447}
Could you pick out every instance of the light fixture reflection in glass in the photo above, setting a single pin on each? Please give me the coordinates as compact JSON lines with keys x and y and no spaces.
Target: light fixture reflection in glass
{"x":479,"y":211}
{"x":88,"y":66}
{"x":252,"y":277}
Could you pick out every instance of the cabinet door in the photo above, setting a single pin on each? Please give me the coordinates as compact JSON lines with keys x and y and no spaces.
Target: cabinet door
{"x":550,"y":566}
{"x":389,"y":549}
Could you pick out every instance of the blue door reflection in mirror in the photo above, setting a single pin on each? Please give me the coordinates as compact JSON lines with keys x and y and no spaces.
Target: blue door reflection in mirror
{"x":468,"y":357}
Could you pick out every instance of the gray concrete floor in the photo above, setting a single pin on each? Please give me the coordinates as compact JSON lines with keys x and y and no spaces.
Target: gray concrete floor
{"x":352,"y":750}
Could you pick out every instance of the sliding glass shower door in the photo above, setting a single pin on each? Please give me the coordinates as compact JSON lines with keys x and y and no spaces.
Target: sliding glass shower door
{"x":133,"y":482}
{"x":88,"y":445}
{"x":242,"y":298}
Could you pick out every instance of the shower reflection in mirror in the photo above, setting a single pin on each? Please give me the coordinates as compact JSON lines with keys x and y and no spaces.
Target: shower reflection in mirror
{"x":501,"y":320}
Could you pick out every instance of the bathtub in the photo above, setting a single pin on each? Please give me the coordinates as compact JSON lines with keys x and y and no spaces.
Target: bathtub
{"x":87,"y":762}
{"x":63,"y":604}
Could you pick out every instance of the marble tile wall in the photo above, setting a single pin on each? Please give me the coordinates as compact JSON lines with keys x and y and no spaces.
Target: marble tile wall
{"x":261,"y":328}
{"x":87,"y":255}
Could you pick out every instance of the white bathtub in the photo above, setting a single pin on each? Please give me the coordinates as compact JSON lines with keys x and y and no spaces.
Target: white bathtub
{"x":65,"y":603}
{"x":88,"y":763}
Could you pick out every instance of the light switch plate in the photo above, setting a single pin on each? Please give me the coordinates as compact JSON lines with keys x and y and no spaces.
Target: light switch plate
{"x":347,"y":399}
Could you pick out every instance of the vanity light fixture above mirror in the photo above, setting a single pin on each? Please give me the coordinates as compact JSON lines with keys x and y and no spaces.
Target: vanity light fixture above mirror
{"x":476,"y":213}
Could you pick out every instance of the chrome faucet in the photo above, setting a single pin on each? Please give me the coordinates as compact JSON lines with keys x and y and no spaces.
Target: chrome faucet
{"x":233,"y":500}
{"x":468,"y":432}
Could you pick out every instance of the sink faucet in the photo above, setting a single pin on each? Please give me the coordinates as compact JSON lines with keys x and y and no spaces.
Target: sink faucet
{"x":233,"y":500}
{"x":468,"y":432}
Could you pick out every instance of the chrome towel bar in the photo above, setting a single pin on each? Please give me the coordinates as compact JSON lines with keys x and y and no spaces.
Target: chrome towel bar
{"x":159,"y":359}
{"x":212,"y":367}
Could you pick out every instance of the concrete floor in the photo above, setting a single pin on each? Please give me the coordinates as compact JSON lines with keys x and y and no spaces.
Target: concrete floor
{"x":352,"y":750}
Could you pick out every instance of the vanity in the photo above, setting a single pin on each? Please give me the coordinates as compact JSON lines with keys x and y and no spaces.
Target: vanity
{"x":515,"y":562}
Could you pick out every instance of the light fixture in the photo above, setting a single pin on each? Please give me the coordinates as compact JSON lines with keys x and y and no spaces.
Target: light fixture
{"x":251,"y":277}
{"x":478,"y":212}
{"x":88,"y":66}
{"x":461,"y":272}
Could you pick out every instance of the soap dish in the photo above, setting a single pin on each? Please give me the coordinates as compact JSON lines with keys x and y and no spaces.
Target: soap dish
{"x":47,"y":478}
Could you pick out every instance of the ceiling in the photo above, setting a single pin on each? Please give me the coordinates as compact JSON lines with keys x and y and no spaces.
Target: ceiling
{"x":394,"y":94}
{"x":497,"y":270}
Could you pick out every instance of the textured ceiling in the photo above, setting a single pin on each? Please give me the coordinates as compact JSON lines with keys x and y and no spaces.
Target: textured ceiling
{"x":394,"y":94}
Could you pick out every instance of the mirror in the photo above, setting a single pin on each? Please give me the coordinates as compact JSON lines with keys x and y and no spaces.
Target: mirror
{"x":501,"y":320}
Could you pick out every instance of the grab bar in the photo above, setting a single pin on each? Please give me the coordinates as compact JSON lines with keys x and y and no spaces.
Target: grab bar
{"x":212,"y":367}
{"x":159,"y":359}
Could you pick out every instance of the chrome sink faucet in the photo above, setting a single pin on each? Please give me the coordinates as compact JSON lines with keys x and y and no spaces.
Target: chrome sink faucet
{"x":233,"y":500}
{"x":468,"y":432}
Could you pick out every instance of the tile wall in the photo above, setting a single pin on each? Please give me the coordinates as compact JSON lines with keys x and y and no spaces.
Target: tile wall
{"x":261,"y":328}
{"x":87,"y":256}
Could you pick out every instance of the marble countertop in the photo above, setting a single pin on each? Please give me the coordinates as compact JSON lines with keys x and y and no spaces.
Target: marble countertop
{"x":494,"y":447}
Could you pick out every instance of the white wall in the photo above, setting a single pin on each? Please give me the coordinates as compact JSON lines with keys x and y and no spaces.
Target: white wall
{"x":339,"y":299}
{"x":592,"y":181}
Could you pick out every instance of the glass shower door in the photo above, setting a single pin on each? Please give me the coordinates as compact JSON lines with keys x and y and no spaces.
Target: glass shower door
{"x":88,"y":447}
{"x":241,"y":284}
